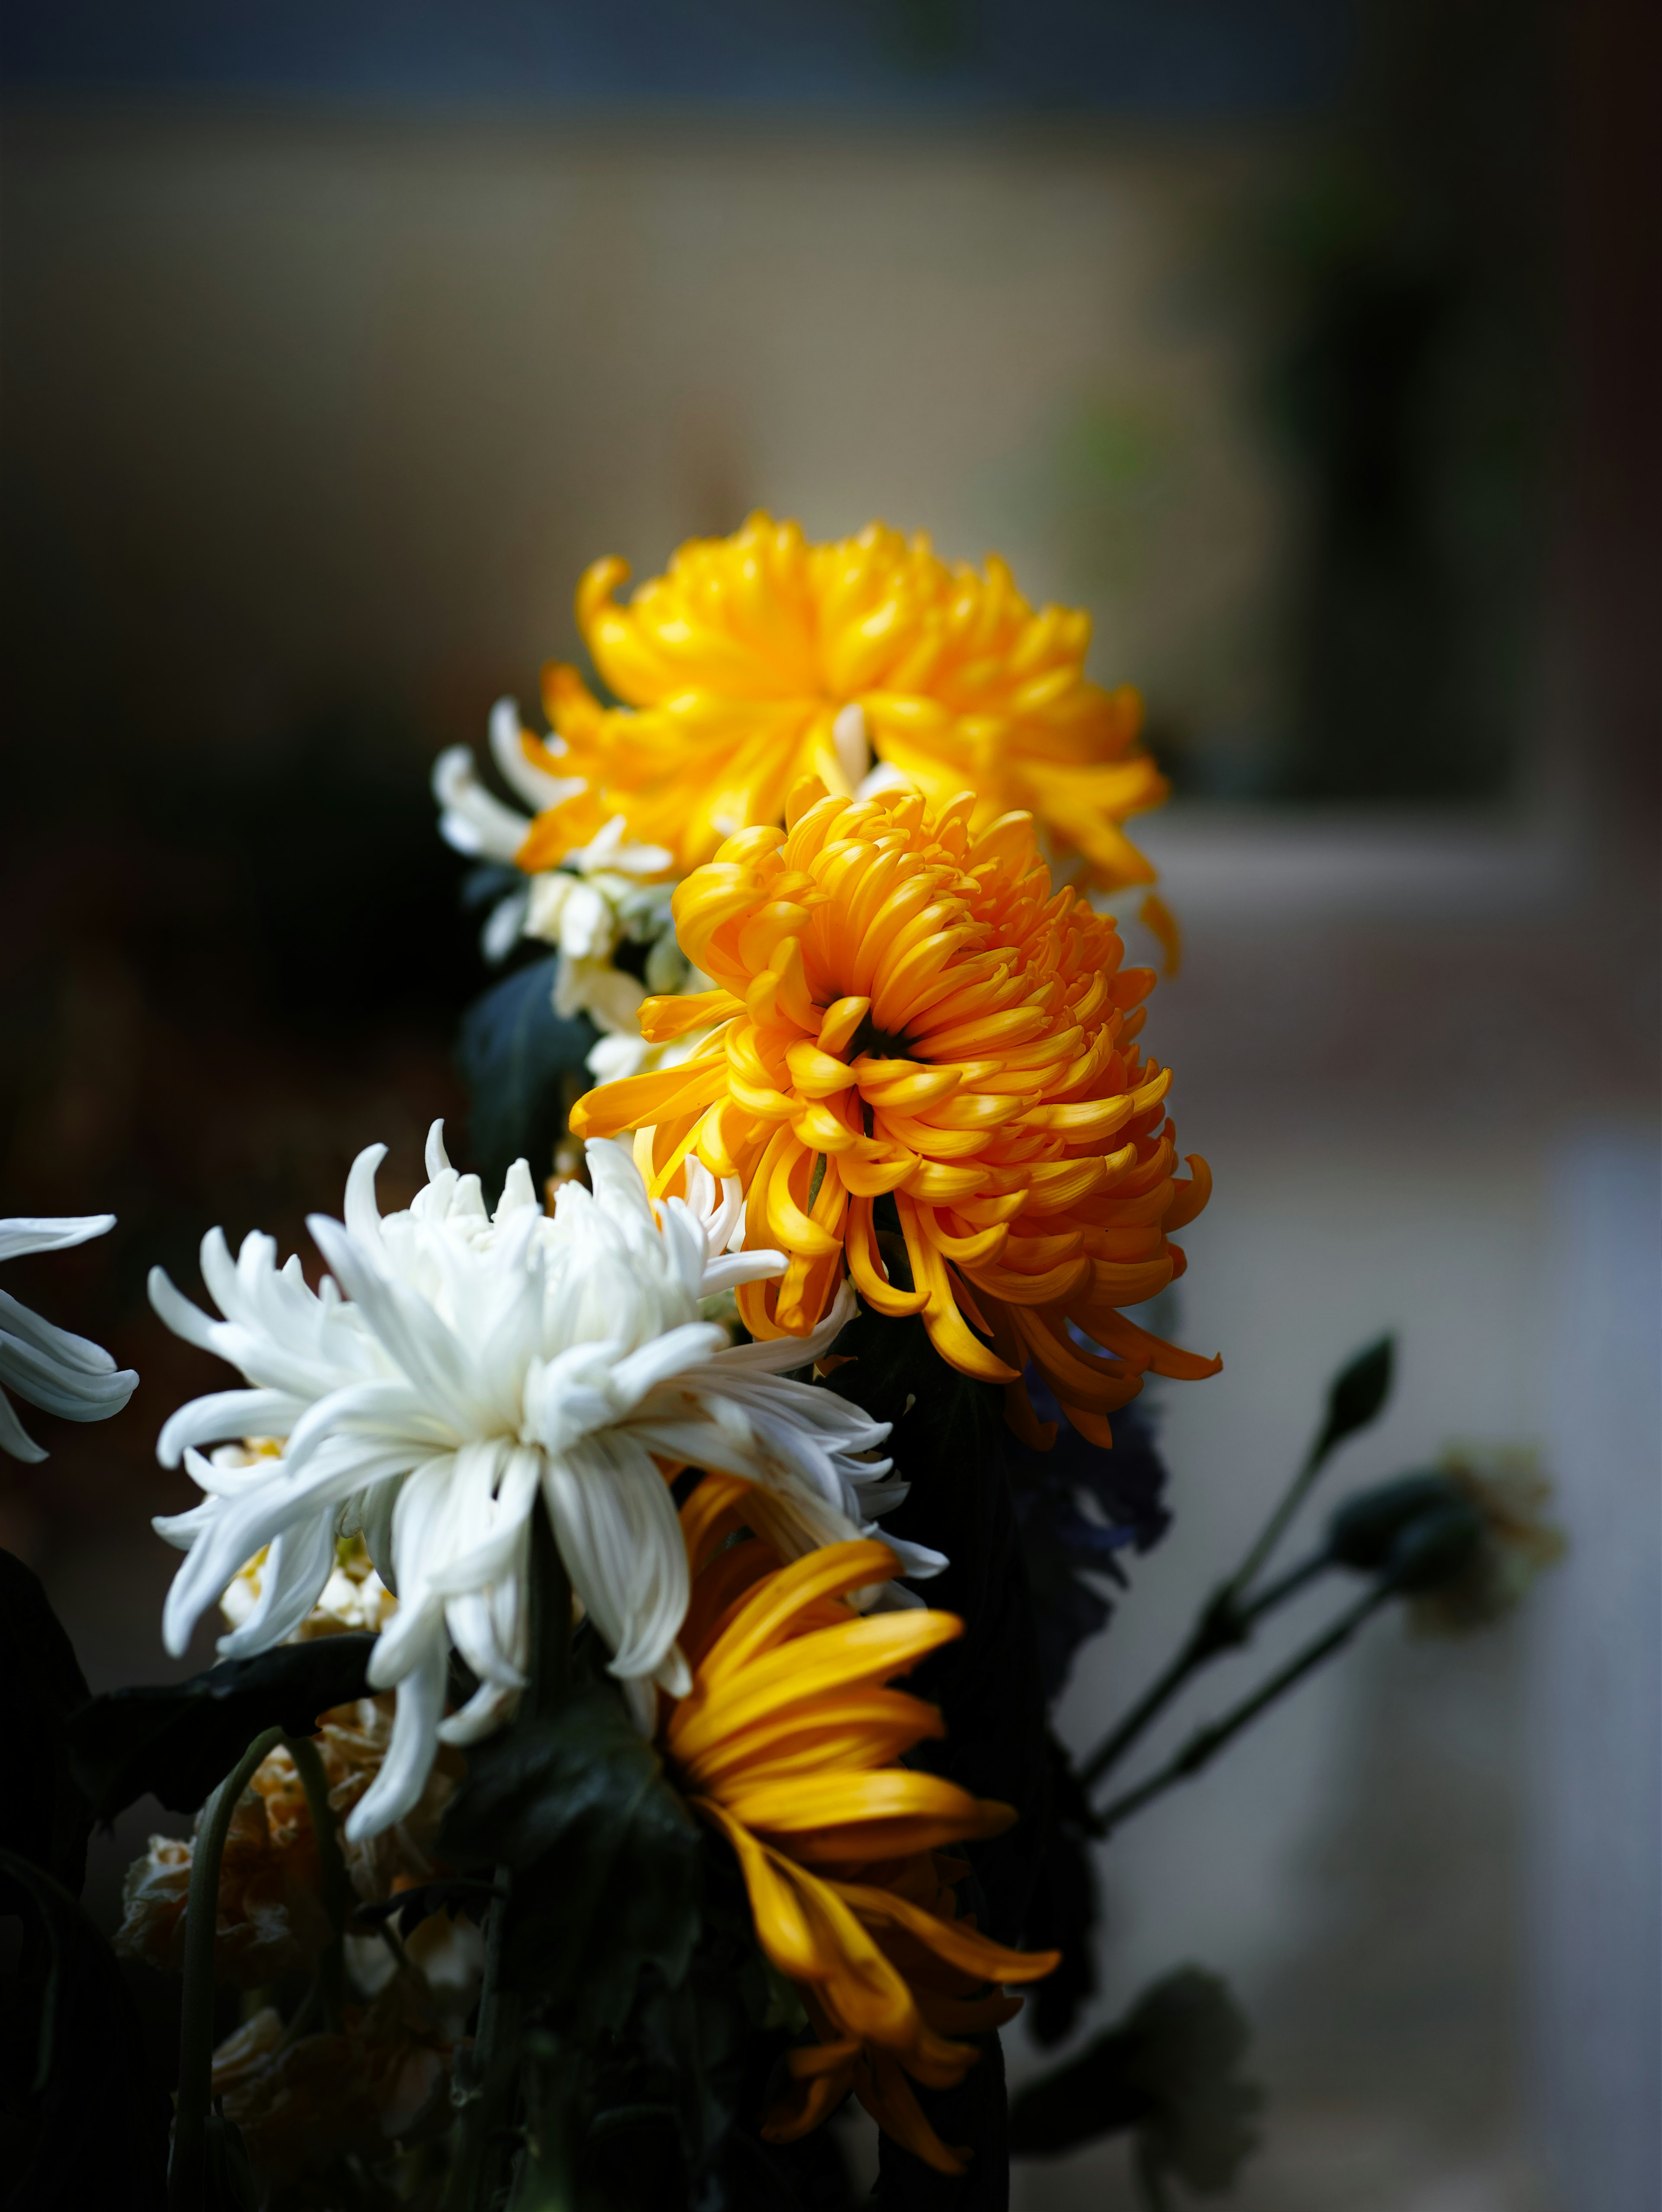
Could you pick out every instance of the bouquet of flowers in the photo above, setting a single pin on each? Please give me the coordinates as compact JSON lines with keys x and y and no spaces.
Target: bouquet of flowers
{"x":561,"y":1819}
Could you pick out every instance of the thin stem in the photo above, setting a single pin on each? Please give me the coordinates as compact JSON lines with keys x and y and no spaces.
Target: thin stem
{"x":1225,"y":1624}
{"x":492,"y":2085}
{"x":1270,"y":1534}
{"x":196,"y":2033}
{"x":1286,"y":1586}
{"x":337,"y":1895}
{"x":1151,"y":2183}
{"x":1205,"y":1745}
{"x":1204,"y":1640}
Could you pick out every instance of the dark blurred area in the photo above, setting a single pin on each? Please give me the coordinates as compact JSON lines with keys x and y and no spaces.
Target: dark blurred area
{"x":1309,"y":345}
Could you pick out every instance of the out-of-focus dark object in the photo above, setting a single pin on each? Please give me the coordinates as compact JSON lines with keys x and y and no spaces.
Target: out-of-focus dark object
{"x":1414,"y":393}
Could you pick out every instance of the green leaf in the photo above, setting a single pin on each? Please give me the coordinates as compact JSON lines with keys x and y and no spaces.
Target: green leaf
{"x":604,"y":1856}
{"x":178,"y":1740}
{"x":515,"y":1052}
{"x":42,"y":1816}
{"x":92,"y":2126}
{"x":1356,"y":1396}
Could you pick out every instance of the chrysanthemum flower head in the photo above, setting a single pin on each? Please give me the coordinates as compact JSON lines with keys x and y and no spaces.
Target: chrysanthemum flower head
{"x":911,"y":1015}
{"x":738,"y":669}
{"x":455,"y":1367}
{"x":787,"y":1742}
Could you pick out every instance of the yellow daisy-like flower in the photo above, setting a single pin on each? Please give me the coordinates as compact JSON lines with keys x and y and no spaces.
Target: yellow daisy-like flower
{"x":786,"y":1744}
{"x":737,"y":665}
{"x":906,"y":1008}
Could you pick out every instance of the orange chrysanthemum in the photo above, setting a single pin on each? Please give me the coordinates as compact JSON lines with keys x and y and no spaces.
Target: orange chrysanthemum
{"x":907,"y":1009}
{"x":735,"y":665}
{"x":785,"y":1744}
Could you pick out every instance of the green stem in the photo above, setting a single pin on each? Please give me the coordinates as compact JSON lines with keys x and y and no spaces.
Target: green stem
{"x":1213,"y":1632}
{"x":337,"y":1895}
{"x":1151,"y":2184}
{"x":1286,"y":1586}
{"x":492,"y":2086}
{"x":1225,"y":1624}
{"x":1205,"y":1745}
{"x":196,"y":2033}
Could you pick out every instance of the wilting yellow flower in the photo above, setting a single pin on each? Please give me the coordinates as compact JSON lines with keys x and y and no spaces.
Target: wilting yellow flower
{"x":907,"y":1009}
{"x":271,"y":1918}
{"x":1506,"y":1488}
{"x":305,"y":2102}
{"x":786,"y":1743}
{"x":736,"y":666}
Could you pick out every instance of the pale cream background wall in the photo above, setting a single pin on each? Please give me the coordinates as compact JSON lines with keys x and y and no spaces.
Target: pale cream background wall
{"x":357,"y":404}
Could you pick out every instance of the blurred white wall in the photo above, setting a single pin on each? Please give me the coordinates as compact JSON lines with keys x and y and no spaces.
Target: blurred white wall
{"x":355,"y":404}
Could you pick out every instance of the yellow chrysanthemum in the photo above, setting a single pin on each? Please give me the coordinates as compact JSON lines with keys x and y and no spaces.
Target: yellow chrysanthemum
{"x":737,"y":664}
{"x":907,"y":1009}
{"x":786,"y":1744}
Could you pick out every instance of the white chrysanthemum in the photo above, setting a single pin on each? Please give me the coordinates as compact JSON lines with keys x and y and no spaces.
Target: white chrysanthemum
{"x":603,"y":896}
{"x":44,"y":1364}
{"x":455,"y":1367}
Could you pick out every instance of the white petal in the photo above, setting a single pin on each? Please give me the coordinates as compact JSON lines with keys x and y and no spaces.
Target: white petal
{"x":397,"y":1788}
{"x":31,"y":1232}
{"x":851,"y":745}
{"x":291,"y":1582}
{"x":14,"y":1438}
{"x":539,"y":788}
{"x":620,"y":1538}
{"x":438,"y":1160}
{"x":68,"y":1390}
{"x":226,"y":1414}
{"x":472,"y":821}
{"x":59,"y":1346}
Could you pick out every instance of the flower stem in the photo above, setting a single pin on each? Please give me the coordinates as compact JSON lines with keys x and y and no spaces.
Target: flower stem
{"x":331,"y":1868}
{"x":1205,"y":1745}
{"x":1151,"y":2186}
{"x":195,"y":2034}
{"x":492,"y":2083}
{"x":1225,"y":1623}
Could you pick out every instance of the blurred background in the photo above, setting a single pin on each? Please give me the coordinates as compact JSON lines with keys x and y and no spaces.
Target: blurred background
{"x":1310,"y":344}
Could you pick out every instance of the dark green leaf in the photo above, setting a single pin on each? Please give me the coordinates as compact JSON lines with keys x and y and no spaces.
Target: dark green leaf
{"x":514,"y":1053}
{"x":92,"y":2129}
{"x":1168,"y":2070}
{"x":178,"y":1740}
{"x":1187,"y":2036}
{"x":1356,"y":1396}
{"x":42,"y":1816}
{"x":605,"y":1856}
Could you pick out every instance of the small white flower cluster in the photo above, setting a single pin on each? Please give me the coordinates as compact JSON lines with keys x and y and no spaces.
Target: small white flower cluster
{"x":455,"y":1367}
{"x":602,"y":897}
{"x":44,"y":1364}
